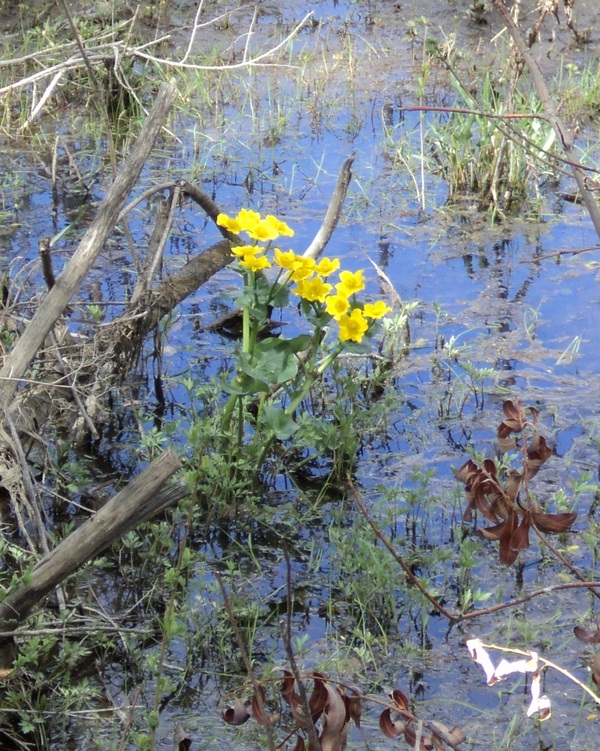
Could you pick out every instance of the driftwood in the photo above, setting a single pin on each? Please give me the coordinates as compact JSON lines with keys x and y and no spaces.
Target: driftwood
{"x":138,"y":502}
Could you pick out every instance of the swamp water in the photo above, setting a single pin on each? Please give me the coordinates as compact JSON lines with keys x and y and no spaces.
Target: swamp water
{"x":500,"y":314}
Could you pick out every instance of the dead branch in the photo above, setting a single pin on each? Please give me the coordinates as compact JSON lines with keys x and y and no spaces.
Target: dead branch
{"x":92,"y":243}
{"x":333,"y":212}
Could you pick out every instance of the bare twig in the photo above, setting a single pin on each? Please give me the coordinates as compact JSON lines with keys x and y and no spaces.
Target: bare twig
{"x":334,"y":210}
{"x":285,"y":627}
{"x":458,"y":617}
{"x":246,"y":659}
{"x":560,"y":253}
{"x":452,"y":617}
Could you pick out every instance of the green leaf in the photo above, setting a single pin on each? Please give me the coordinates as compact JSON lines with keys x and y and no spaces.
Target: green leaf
{"x":244,"y":385}
{"x":273,"y":359}
{"x":279,"y":422}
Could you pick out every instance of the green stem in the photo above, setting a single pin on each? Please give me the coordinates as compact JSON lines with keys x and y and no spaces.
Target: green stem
{"x":228,"y":412}
{"x":246,"y":334}
{"x":311,"y":379}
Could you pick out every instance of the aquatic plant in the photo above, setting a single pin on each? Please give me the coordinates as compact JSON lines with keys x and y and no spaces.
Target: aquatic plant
{"x":274,"y":374}
{"x":497,"y":497}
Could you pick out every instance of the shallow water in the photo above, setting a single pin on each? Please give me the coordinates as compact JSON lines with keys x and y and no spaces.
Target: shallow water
{"x":489,"y":289}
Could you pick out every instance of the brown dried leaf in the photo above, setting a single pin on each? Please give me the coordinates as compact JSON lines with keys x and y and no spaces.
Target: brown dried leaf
{"x":512,"y":411}
{"x":506,"y":442}
{"x":596,"y":669}
{"x":299,"y":744}
{"x":453,"y":736}
{"x":317,"y":700}
{"x":388,"y":727}
{"x":236,"y":714}
{"x":588,"y":636}
{"x":489,"y":467}
{"x":464,"y":473}
{"x":410,"y":736}
{"x":335,"y":721}
{"x":257,"y":709}
{"x":554,"y":523}
{"x":538,"y":452}
{"x":513,"y":483}
{"x":353,"y":707}
{"x":520,"y":537}
{"x":507,"y":554}
{"x":400,"y":700}
{"x":318,"y":697}
{"x":181,"y":740}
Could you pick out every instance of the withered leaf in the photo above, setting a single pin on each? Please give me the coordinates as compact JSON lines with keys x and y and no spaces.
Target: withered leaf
{"x":316,"y":702}
{"x":410,"y":736}
{"x":453,"y":736}
{"x":504,"y":432}
{"x":236,"y":714}
{"x":492,"y":533}
{"x":299,"y":744}
{"x":513,"y":483}
{"x":335,"y":721}
{"x":318,"y":697}
{"x":554,"y":523}
{"x":512,"y":411}
{"x":389,"y":727}
{"x":520,"y":538}
{"x":507,"y":554}
{"x":289,"y":694}
{"x":481,"y":656}
{"x":587,"y":635}
{"x":400,"y":700}
{"x":596,"y":669}
{"x":353,"y":707}
{"x":463,"y":473}
{"x":181,"y":740}
{"x":257,"y":708}
{"x":540,"y":704}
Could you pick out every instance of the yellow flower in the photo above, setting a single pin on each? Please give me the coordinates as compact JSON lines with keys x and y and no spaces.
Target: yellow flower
{"x":255,"y":263}
{"x":353,"y":327}
{"x":284,"y":259}
{"x":313,"y":289}
{"x":239,"y":251}
{"x":302,"y":268}
{"x":350,"y":282}
{"x":248,"y":219}
{"x":263,"y":231}
{"x":376,"y":310}
{"x":337,"y":306}
{"x":327,"y":266}
{"x":230,"y":223}
{"x":245,"y":220}
{"x":280,"y":226}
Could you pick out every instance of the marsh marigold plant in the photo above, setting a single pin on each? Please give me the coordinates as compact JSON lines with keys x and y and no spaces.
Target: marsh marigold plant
{"x":277,"y":370}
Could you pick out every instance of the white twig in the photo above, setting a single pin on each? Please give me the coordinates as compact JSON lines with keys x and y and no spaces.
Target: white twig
{"x":231,"y":66}
{"x":43,"y":99}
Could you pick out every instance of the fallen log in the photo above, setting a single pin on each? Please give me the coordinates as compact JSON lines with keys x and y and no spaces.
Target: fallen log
{"x":138,"y":502}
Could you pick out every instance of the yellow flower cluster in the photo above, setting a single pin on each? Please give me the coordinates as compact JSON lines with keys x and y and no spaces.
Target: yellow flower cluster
{"x":308,"y":275}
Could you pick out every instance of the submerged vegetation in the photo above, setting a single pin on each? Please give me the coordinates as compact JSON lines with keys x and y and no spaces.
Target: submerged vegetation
{"x":236,"y":419}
